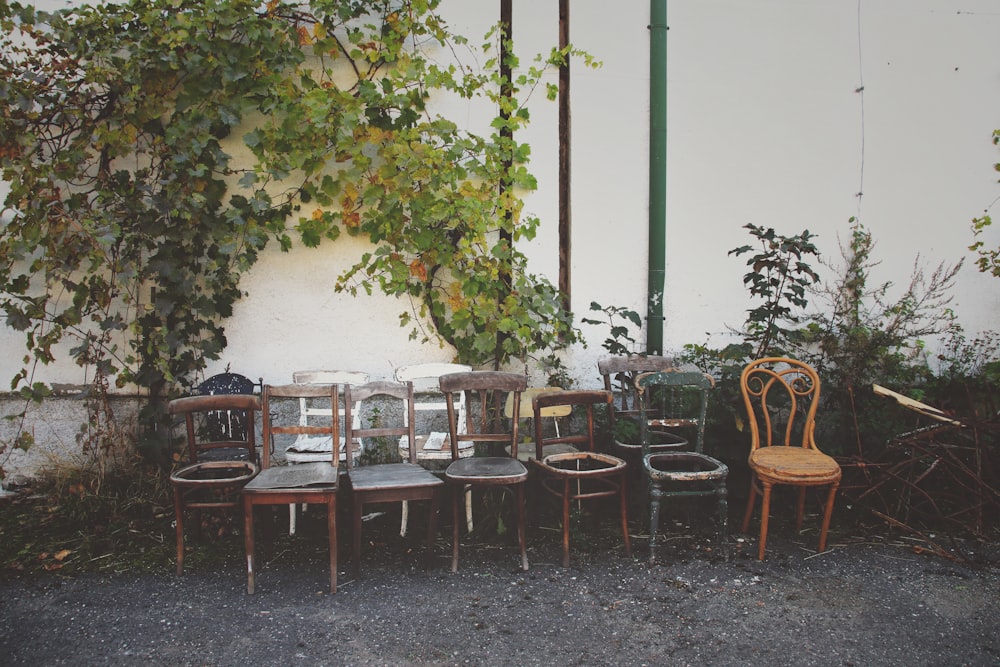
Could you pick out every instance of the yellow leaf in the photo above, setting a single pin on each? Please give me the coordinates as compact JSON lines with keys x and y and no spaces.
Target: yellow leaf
{"x":61,"y":555}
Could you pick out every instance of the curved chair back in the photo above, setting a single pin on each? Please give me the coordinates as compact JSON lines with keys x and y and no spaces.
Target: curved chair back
{"x":781,"y":396}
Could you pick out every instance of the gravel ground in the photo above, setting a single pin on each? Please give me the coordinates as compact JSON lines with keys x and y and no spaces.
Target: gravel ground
{"x":864,"y":602}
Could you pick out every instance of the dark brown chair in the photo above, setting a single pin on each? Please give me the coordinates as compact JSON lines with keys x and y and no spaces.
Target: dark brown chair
{"x":581,"y":475}
{"x":208,"y":482}
{"x":485,"y":471}
{"x":305,"y":483}
{"x":781,"y":398}
{"x":619,"y":375}
{"x":387,"y":482}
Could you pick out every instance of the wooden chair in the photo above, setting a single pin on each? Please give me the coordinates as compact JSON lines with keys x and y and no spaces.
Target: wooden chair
{"x":208,"y":482}
{"x":675,"y":473}
{"x":309,"y":448}
{"x":579,"y":475}
{"x":619,"y":375}
{"x":484,"y":471}
{"x":781,"y":398}
{"x":222,"y":425}
{"x":387,"y":482}
{"x":433,"y":448}
{"x":306,"y":483}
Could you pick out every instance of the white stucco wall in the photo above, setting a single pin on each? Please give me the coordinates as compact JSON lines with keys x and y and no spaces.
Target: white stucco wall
{"x":764,"y":126}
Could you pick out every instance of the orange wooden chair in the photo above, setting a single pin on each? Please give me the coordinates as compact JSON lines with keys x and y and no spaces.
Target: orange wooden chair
{"x":781,"y":397}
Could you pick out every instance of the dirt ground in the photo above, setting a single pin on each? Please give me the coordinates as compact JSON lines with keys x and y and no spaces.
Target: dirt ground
{"x":866,"y":601}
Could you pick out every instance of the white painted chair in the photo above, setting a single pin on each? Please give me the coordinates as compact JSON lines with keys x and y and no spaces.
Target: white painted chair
{"x":433,"y":447}
{"x":310,"y":448}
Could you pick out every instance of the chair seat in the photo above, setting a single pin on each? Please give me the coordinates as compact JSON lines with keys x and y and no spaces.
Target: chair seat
{"x":487,"y":469}
{"x":658,"y":441}
{"x":781,"y":464}
{"x":214,"y":474}
{"x":684,"y":467}
{"x":526,"y":450}
{"x":582,"y":464}
{"x":391,"y":476}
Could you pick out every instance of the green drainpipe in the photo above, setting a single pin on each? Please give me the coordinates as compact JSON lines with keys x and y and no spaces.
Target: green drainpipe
{"x":657,"y":173}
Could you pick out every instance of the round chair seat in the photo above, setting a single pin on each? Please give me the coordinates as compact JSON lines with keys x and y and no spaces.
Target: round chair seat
{"x":214,"y":474}
{"x":800,"y":465}
{"x":583,"y":464}
{"x":659,"y":441}
{"x":684,"y":467}
{"x":487,"y":470}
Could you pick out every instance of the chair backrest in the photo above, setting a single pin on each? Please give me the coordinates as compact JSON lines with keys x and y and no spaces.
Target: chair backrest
{"x":781,"y":396}
{"x":202,"y":442}
{"x":619,"y":374}
{"x":274,"y":420}
{"x":384,"y":392}
{"x":588,"y":398}
{"x":682,"y":403}
{"x":227,"y":424}
{"x":489,"y":390}
{"x":308,"y":408}
{"x":425,"y":379}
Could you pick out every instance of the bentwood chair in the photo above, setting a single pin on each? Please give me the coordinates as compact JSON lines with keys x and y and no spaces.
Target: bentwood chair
{"x":305,"y":483}
{"x":781,"y":397}
{"x":673,"y":474}
{"x":207,"y":481}
{"x":582,"y":475}
{"x":483,"y":391}
{"x":386,"y":482}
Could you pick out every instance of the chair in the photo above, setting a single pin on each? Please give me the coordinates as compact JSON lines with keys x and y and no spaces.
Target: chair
{"x":619,"y":374}
{"x":225,"y":425}
{"x":781,"y":398}
{"x":680,"y":474}
{"x":387,"y":482}
{"x":206,"y":483}
{"x":308,"y":483}
{"x":579,"y":475}
{"x":433,"y":448}
{"x":308,"y":448}
{"x":485,"y":471}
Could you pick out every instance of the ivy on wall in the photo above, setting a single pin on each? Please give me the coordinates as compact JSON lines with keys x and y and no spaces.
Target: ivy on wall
{"x":128,"y":223}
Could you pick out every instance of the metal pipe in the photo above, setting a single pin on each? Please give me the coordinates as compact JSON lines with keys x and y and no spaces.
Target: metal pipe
{"x":657,"y":174}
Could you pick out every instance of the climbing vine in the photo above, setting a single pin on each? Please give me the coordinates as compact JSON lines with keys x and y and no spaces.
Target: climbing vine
{"x":128,"y":223}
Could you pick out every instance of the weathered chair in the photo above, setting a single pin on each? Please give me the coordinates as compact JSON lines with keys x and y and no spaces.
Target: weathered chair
{"x":619,"y":374}
{"x":306,"y":483}
{"x":484,"y":471}
{"x":579,"y":475}
{"x":309,"y":448}
{"x":387,"y":482}
{"x":781,"y":397}
{"x":676,"y":473}
{"x":208,"y":482}
{"x":433,"y":448}
{"x":222,"y":425}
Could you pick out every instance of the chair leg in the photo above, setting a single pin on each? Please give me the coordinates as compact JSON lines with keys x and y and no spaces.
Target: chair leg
{"x":827,"y":513}
{"x":331,"y":529}
{"x":723,"y":507}
{"x":623,"y":501}
{"x":565,"y":518}
{"x":432,"y":529}
{"x":456,"y":512}
{"x":765,"y":511}
{"x":751,"y":501}
{"x":521,"y":540}
{"x":357,"y":506}
{"x":468,"y":508}
{"x":248,"y":541}
{"x":654,"y":518}
{"x":292,"y":515}
{"x":405,"y":518}
{"x":800,"y":510}
{"x":179,"y":526}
